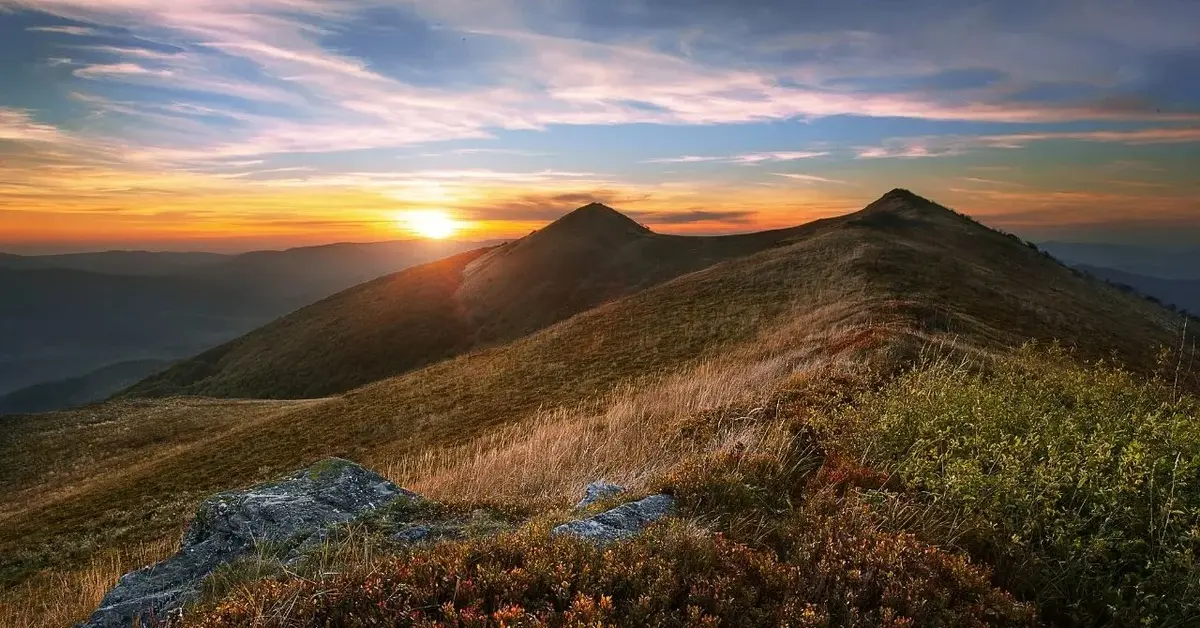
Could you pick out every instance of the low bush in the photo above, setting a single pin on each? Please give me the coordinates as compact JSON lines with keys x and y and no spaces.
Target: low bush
{"x":1080,"y":485}
{"x":829,"y":570}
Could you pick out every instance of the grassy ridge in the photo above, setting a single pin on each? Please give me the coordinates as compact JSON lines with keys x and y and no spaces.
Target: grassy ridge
{"x":433,"y":312}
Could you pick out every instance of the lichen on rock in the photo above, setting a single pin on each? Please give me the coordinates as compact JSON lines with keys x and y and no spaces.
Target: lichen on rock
{"x":619,"y":523}
{"x":296,"y":511}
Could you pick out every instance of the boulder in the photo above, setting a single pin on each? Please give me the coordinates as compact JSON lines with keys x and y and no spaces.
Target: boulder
{"x":597,"y":491}
{"x":621,"y":522}
{"x":295,"y":511}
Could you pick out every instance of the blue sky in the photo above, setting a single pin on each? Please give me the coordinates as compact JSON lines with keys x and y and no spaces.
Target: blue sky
{"x":231,"y":124}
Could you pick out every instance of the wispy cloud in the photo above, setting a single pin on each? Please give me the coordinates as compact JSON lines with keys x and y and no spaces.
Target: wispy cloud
{"x":119,"y":69}
{"x":18,"y":125}
{"x":747,"y":158}
{"x":807,"y":178}
{"x":65,"y":30}
{"x":949,"y":145}
{"x":685,"y":159}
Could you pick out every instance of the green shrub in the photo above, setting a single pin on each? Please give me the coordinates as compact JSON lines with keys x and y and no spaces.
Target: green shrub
{"x":1079,"y":484}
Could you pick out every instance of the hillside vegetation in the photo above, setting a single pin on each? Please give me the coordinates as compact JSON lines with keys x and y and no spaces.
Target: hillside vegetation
{"x":728,"y":386}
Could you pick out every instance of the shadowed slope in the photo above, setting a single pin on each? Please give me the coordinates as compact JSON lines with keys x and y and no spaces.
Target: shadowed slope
{"x":871,"y":287}
{"x":428,"y":313}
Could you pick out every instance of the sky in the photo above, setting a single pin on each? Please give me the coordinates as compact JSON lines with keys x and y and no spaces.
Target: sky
{"x":240,"y":124}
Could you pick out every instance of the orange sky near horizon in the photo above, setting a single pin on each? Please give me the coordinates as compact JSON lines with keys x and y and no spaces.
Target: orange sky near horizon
{"x":230,"y":126}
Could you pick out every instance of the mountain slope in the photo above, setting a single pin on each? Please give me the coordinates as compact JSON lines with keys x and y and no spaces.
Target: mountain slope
{"x":433,"y":312}
{"x":870,"y":289}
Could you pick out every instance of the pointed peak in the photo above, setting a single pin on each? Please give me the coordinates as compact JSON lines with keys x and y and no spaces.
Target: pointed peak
{"x":904,"y":195}
{"x":900,"y":201}
{"x":596,"y":219}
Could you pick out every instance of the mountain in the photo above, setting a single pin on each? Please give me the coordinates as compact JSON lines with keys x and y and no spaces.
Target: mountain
{"x":64,"y":322}
{"x":1181,"y":293}
{"x":78,"y":391}
{"x":1139,"y":260}
{"x":666,"y":376}
{"x":429,"y":313}
{"x":115,"y":262}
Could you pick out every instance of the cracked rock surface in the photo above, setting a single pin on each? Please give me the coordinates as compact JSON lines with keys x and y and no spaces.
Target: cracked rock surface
{"x":621,"y":522}
{"x":296,"y":510}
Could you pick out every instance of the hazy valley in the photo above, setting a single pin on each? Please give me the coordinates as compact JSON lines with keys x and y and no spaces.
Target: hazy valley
{"x":78,"y":328}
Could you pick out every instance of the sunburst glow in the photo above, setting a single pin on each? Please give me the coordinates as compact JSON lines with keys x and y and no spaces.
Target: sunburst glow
{"x":433,"y":224}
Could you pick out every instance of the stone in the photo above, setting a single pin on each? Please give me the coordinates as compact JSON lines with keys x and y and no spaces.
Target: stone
{"x":622,"y":522}
{"x":597,"y":491}
{"x":295,"y":511}
{"x":413,"y":534}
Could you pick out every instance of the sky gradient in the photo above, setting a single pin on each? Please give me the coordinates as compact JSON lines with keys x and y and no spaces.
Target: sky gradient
{"x":240,"y":124}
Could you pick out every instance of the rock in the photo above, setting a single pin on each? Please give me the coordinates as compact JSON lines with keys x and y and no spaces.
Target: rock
{"x":413,"y":534}
{"x":296,"y":510}
{"x":619,"y":523}
{"x":597,"y":491}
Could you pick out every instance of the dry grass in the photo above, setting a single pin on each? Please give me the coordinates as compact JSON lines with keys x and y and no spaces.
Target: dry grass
{"x":633,"y":436}
{"x":643,"y":428}
{"x":63,"y":598}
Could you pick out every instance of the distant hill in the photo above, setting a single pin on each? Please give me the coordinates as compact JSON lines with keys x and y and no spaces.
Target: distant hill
{"x":300,"y":276}
{"x":660,"y":353}
{"x":1180,"y":293}
{"x":115,"y":262}
{"x":77,"y":391}
{"x":1139,"y":260}
{"x":429,"y":313}
{"x":64,"y":316}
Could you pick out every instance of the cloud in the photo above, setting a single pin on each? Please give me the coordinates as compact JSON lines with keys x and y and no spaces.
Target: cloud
{"x":79,"y":31}
{"x":340,"y":101}
{"x":754,"y":158}
{"x":489,"y":151}
{"x":748,"y":158}
{"x":686,"y":159}
{"x":19,"y":126}
{"x":807,"y":178}
{"x":949,"y":145}
{"x":103,"y":70}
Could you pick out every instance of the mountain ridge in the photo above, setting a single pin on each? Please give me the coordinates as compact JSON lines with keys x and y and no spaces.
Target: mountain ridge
{"x":851,"y":296}
{"x":589,"y":256}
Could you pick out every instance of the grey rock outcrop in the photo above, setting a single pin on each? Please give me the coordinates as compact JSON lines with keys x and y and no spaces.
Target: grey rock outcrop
{"x":295,"y":511}
{"x":597,"y":491}
{"x":621,"y":522}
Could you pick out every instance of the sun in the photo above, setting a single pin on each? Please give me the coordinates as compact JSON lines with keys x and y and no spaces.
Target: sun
{"x":432,"y":224}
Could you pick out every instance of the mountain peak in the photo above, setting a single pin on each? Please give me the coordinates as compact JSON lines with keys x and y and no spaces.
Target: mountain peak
{"x":596,"y":219}
{"x":905,"y":205}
